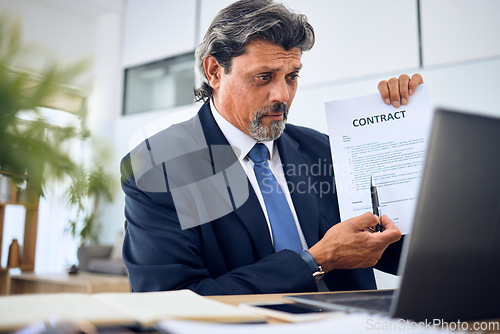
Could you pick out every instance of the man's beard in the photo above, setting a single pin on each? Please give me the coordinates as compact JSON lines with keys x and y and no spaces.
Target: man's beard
{"x":260,"y":132}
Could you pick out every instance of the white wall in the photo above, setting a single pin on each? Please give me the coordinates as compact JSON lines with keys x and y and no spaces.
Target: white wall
{"x":459,"y":30}
{"x":53,"y":33}
{"x":157,"y":29}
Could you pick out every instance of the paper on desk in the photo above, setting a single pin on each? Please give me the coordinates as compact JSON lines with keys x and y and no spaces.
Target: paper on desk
{"x":116,"y":309}
{"x":352,"y":323}
{"x":368,"y":138}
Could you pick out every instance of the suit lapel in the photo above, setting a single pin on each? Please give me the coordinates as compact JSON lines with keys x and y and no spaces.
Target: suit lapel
{"x":301,"y":186}
{"x":250,"y":212}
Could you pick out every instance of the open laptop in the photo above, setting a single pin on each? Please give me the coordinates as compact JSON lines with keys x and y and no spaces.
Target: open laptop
{"x":450,"y":265}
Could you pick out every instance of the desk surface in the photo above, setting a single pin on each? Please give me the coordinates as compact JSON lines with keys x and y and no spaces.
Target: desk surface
{"x":63,"y":282}
{"x":238,"y":299}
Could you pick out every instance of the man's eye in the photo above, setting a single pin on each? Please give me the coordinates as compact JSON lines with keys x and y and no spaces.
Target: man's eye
{"x":293,"y":77}
{"x":264,"y":77}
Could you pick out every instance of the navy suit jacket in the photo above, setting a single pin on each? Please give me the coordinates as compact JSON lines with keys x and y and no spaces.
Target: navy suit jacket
{"x":233,"y":253}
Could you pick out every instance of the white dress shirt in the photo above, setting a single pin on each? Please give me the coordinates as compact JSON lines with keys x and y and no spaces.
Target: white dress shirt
{"x":241,"y":144}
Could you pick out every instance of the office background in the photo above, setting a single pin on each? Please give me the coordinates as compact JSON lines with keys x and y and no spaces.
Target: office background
{"x":454,"y":44}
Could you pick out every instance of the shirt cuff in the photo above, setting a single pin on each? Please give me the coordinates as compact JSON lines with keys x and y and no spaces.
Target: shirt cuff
{"x":309,"y":259}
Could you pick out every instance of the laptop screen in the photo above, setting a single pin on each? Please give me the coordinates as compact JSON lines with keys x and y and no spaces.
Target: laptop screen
{"x":450,"y":263}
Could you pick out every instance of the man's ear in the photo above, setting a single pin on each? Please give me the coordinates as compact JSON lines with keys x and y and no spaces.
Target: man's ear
{"x":213,"y":71}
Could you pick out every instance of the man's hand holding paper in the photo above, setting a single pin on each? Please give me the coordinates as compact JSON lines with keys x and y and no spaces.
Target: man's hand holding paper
{"x":397,"y":91}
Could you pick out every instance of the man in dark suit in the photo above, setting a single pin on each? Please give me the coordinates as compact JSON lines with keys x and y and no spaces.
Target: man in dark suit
{"x":234,"y":201}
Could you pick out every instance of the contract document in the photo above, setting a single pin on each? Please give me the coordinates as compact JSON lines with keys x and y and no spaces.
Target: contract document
{"x":369,"y":138}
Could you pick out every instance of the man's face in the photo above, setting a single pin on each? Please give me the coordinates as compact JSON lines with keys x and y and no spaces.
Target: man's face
{"x":256,"y":94}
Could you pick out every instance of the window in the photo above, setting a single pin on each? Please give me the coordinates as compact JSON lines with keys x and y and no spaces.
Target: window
{"x":159,"y":85}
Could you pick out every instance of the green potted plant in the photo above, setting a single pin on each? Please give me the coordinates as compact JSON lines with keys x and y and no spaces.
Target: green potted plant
{"x":89,"y":189}
{"x":32,"y":151}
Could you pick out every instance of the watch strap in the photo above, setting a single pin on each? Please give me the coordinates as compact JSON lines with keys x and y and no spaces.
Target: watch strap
{"x":316,"y":270}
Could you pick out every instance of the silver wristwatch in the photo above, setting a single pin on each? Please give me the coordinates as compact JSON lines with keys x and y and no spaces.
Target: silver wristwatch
{"x":318,"y":274}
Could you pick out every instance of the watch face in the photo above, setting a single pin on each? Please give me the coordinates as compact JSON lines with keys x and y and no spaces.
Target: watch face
{"x":319,"y":274}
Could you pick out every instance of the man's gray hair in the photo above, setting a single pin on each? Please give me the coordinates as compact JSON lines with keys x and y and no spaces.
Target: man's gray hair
{"x":242,"y":22}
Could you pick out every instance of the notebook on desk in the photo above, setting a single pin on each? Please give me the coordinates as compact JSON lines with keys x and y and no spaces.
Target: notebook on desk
{"x":113,"y":312}
{"x":449,"y":266}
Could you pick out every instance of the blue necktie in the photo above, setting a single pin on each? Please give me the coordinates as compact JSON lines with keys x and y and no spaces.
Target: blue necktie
{"x":283,"y":226}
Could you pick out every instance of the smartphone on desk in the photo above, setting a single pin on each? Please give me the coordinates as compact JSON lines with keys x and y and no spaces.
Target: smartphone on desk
{"x":290,"y":312}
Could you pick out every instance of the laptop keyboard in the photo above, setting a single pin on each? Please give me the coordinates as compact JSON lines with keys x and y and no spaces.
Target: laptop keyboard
{"x":378,"y":304}
{"x":377,"y":301}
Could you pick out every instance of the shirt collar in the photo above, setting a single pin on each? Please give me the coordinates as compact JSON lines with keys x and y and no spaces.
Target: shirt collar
{"x":239,"y":141}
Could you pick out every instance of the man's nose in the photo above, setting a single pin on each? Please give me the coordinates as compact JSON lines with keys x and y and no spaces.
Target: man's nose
{"x":279,"y":92}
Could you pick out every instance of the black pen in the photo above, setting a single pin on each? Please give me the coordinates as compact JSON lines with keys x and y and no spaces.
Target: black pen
{"x":376,"y":205}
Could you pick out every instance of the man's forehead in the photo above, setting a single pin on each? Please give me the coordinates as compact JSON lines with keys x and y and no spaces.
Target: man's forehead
{"x":272,"y":56}
{"x":270,"y":68}
{"x":269,"y":48}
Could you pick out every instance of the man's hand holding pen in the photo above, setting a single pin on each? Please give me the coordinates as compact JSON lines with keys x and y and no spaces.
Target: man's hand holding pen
{"x":351,"y":244}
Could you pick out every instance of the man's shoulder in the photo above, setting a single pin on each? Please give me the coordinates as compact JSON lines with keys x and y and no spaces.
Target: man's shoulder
{"x":174,"y":141}
{"x":181,"y":132}
{"x":187,"y":130}
{"x":309,"y":142}
{"x":303,"y":134}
